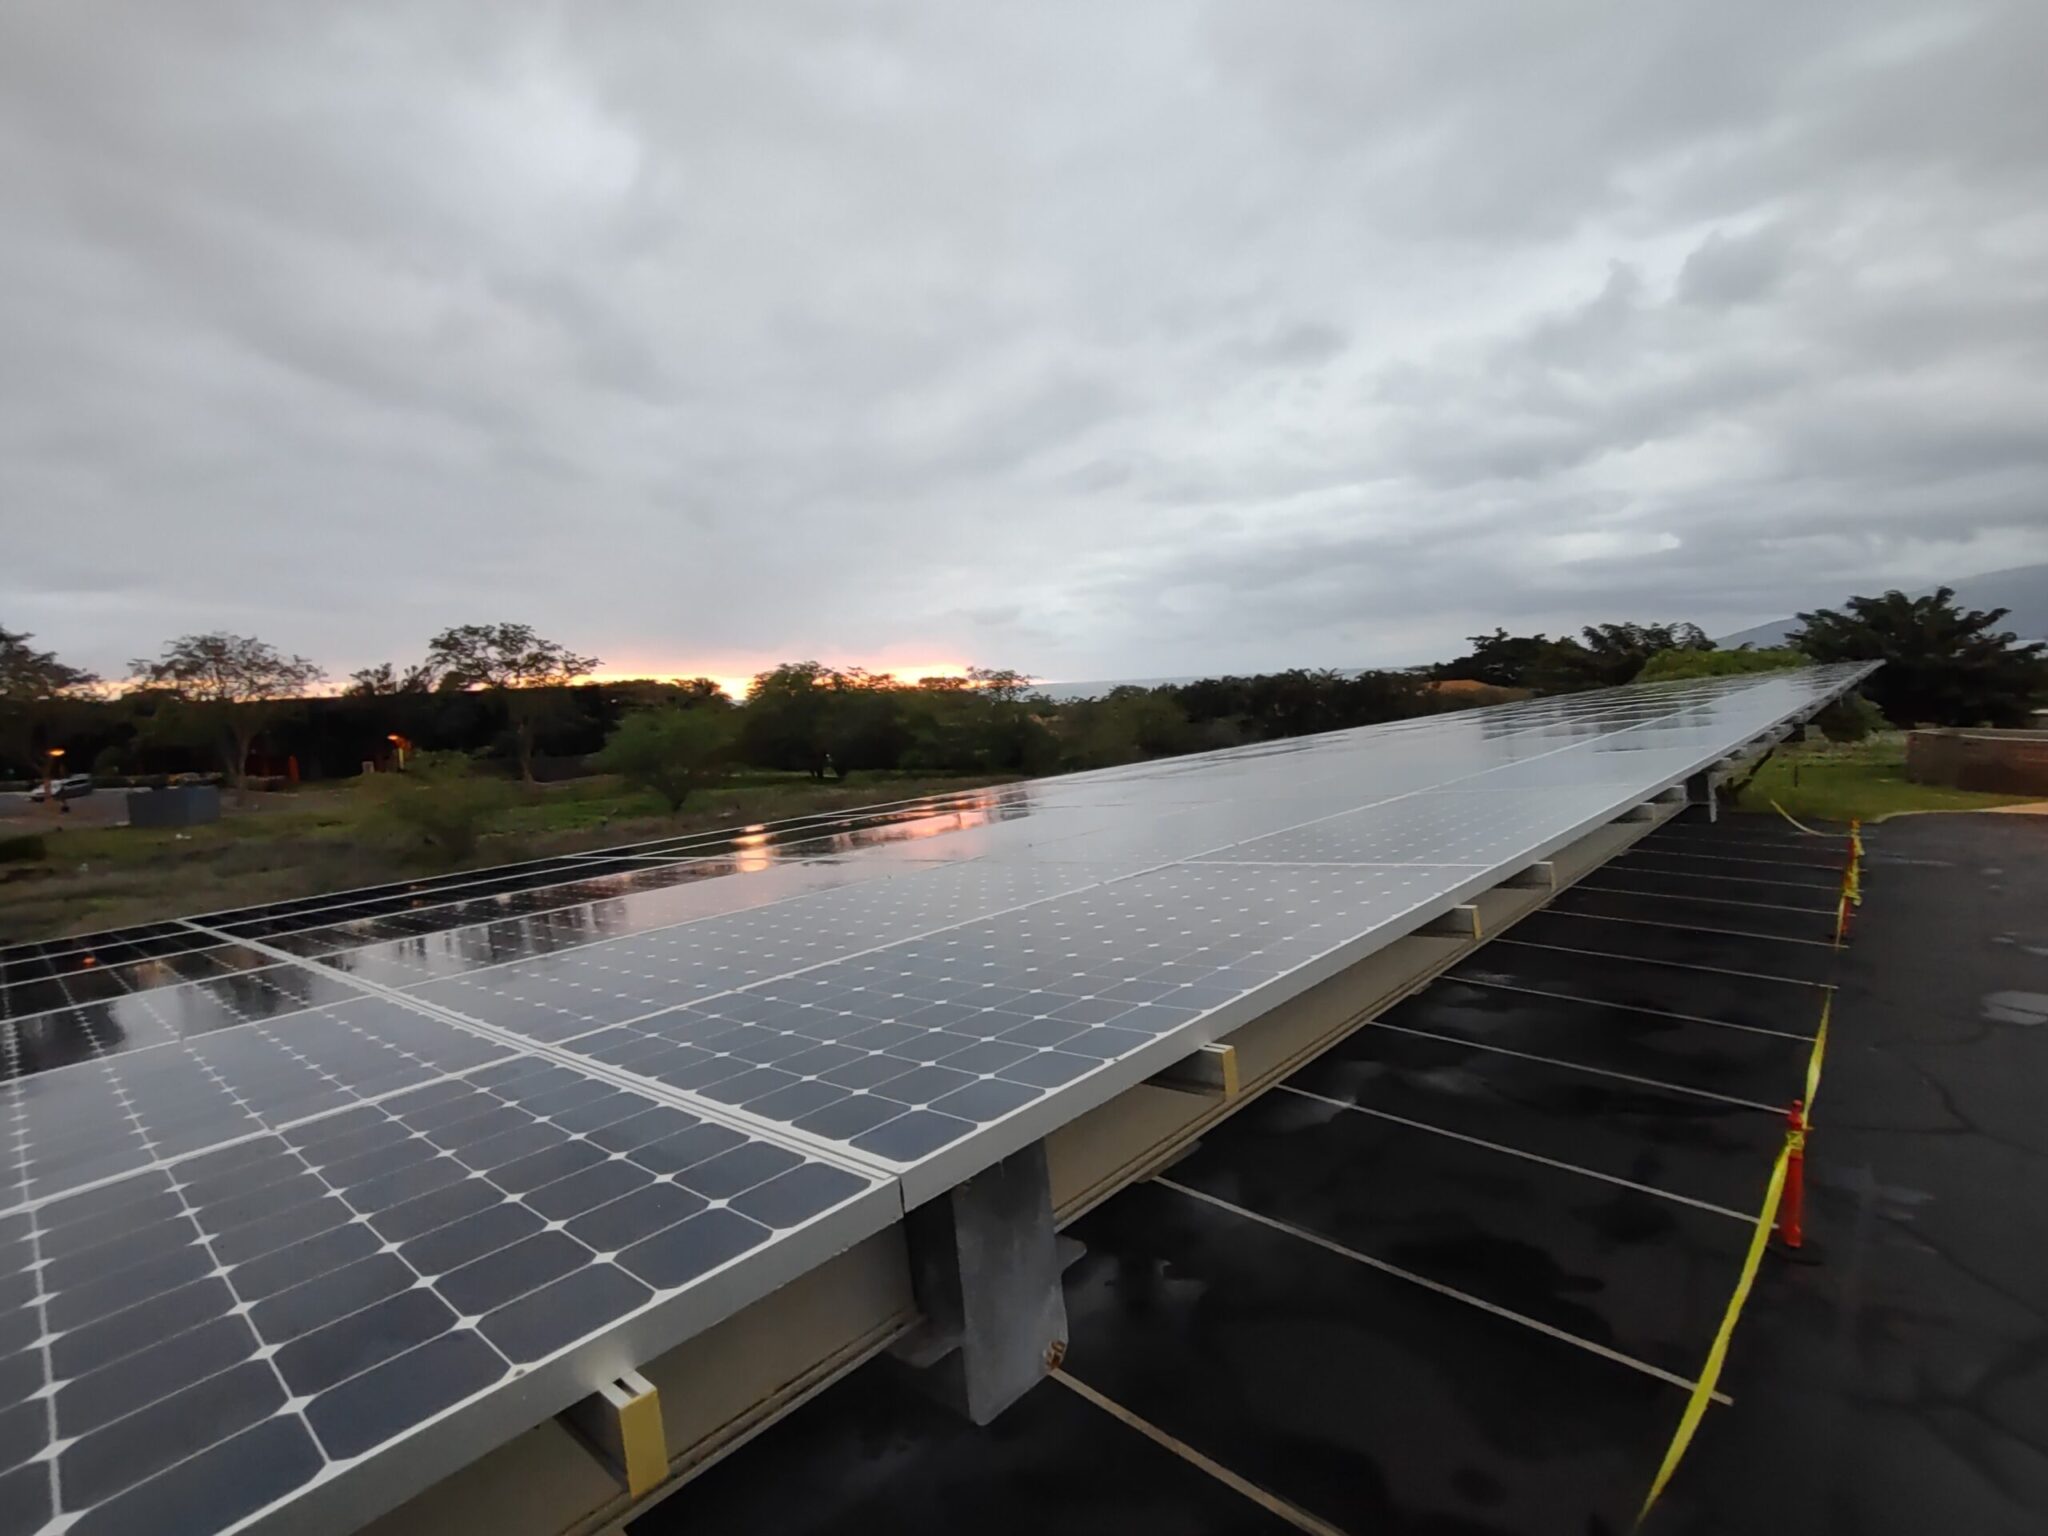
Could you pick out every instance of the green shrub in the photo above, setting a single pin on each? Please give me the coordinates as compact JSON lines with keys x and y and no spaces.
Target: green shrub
{"x":439,"y":805}
{"x":1850,"y":718}
{"x":669,"y":751}
{"x":1668,"y":665}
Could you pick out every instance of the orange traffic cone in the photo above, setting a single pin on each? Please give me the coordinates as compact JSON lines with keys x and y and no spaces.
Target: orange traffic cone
{"x":1792,"y":1208}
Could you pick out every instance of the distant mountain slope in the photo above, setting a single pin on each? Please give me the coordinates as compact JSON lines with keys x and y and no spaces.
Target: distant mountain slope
{"x":2023,"y":589}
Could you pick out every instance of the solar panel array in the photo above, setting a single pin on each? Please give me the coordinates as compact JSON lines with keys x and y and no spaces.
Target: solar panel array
{"x":305,"y":1205}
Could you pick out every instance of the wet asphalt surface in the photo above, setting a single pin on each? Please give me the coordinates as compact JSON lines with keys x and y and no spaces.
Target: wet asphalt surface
{"x":1900,"y":1385}
{"x":1457,"y":1275}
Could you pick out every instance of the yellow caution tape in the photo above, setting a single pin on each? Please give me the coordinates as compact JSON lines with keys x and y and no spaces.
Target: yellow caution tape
{"x":1798,"y":825}
{"x":1767,"y":1219}
{"x":1820,"y":1045}
{"x":1696,"y":1406}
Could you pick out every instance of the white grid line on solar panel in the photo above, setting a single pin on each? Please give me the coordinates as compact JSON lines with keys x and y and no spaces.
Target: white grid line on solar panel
{"x":355,"y":1096}
{"x":820,"y":916}
{"x":526,"y":941}
{"x":426,"y":916}
{"x":881,"y":817}
{"x":674,"y":884}
{"x":554,"y":897}
{"x":69,"y":944}
{"x":568,"y":1181}
{"x":726,"y":936}
{"x":739,"y":944}
{"x":1560,"y":708}
{"x":662,"y":877}
{"x":544,"y":1016}
{"x":342,"y":1000}
{"x":574,"y":868}
{"x":713,"y":835}
{"x":526,"y":937}
{"x":797,"y":1096}
{"x":68,"y":1128}
{"x":371,"y":894}
{"x":1045,"y":916}
{"x":507,"y":877}
{"x":906,"y":1050}
{"x":1484,"y":827}
{"x":751,"y":1073}
{"x":158,"y":1015}
{"x":72,"y":988}
{"x":580,"y":883}
{"x":1375,"y":861}
{"x":461,"y":946}
{"x":182,"y":945}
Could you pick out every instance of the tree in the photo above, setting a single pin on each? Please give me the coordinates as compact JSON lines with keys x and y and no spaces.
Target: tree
{"x":226,"y":688}
{"x":512,"y":659}
{"x":1002,"y":684}
{"x":1124,"y":725}
{"x":383,"y":680}
{"x":670,"y":750}
{"x":1616,"y":653}
{"x":700,"y":690}
{"x":785,"y":724}
{"x":1943,"y":665}
{"x":27,"y":674}
{"x":1605,"y":656}
{"x":1502,"y":660}
{"x":32,"y":683}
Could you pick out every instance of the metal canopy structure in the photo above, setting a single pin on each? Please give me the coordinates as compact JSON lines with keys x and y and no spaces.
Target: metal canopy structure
{"x":305,"y":1206}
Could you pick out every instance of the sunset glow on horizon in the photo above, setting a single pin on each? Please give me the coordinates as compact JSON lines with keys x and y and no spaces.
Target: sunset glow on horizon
{"x":735,"y":683}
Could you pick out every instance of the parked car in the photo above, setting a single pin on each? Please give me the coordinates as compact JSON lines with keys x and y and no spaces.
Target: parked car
{"x":63,"y":789}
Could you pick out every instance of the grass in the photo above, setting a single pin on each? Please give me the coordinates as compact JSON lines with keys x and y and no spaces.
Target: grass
{"x":322,"y":839}
{"x":1865,"y":780}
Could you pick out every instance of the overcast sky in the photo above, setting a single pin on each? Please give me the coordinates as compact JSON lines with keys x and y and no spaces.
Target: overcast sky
{"x":1094,"y":340}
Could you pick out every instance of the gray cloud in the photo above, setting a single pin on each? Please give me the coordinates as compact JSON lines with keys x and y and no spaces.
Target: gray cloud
{"x":1097,"y":341}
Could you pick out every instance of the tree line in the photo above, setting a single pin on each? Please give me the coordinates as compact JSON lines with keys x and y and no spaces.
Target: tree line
{"x":505,"y":694}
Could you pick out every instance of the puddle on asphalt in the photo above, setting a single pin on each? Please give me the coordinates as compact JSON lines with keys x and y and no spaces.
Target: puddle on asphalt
{"x":2016,"y":1007}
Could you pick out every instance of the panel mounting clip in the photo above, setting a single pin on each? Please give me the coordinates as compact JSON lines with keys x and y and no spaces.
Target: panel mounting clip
{"x":1210,"y":1070}
{"x":621,"y":1424}
{"x":1461,"y":922}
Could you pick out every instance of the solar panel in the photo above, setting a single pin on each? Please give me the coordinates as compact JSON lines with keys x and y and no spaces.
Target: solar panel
{"x":305,"y":1206}
{"x":240,"y":1262}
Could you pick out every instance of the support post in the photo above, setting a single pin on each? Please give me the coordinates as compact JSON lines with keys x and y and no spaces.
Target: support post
{"x":1540,"y":876}
{"x":986,"y":1267}
{"x":1700,"y":790}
